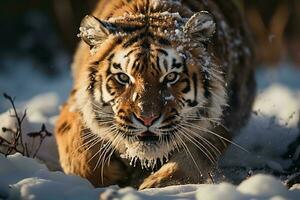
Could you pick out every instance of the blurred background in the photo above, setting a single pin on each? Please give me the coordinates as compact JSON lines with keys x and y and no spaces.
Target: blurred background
{"x":38,"y":39}
{"x":42,"y":34}
{"x":275,"y":27}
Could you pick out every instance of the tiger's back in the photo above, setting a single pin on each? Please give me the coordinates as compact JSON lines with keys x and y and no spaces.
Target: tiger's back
{"x":217,"y":83}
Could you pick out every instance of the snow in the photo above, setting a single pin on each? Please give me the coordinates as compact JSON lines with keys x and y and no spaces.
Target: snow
{"x":25,"y":178}
{"x":273,"y":125}
{"x":259,"y":187}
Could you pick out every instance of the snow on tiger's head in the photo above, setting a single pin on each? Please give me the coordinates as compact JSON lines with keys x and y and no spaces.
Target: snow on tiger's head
{"x":147,"y":78}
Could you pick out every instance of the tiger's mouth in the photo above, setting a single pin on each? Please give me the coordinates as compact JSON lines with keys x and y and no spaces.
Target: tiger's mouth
{"x":148,"y":136}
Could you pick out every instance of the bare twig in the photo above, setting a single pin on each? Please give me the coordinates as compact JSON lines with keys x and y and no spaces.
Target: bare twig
{"x":17,"y":144}
{"x":43,"y":133}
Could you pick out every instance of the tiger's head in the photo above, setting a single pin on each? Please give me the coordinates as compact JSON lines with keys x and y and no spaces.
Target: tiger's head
{"x":151,"y":82}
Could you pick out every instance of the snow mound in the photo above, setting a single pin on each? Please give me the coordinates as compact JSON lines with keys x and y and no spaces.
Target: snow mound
{"x":25,"y":178}
{"x":258,"y":187}
{"x":272,"y":127}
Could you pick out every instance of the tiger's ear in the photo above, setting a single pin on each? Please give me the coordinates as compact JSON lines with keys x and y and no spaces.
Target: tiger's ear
{"x":93,"y":31}
{"x":200,"y":27}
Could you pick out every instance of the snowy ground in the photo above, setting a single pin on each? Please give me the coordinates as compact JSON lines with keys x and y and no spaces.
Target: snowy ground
{"x":273,"y":126}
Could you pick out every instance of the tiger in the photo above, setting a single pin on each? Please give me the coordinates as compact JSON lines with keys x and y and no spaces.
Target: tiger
{"x":161,"y":87}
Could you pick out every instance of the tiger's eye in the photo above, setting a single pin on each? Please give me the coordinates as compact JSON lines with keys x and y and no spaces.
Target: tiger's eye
{"x":172,"y":77}
{"x":122,"y":78}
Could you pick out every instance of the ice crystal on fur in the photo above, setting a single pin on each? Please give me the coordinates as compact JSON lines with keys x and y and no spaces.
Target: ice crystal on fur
{"x":148,"y":155}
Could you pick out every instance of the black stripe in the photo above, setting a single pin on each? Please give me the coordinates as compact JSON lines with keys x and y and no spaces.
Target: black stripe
{"x":174,"y":111}
{"x":145,"y":44}
{"x":163,"y":51}
{"x":190,"y":102}
{"x":195,"y":81}
{"x":137,"y":68}
{"x":125,"y":119}
{"x":116,"y":65}
{"x":154,"y":68}
{"x":162,"y":41}
{"x":134,"y":65}
{"x":185,"y":69}
{"x":157,"y":63}
{"x":176,"y":64}
{"x":92,"y":79}
{"x":126,"y":65}
{"x":96,"y":63}
{"x":117,"y":27}
{"x":181,"y":101}
{"x":165,"y":62}
{"x":129,"y":53}
{"x":65,"y":126}
{"x":206,"y":84}
{"x":131,"y":41}
{"x":187,"y":87}
{"x":134,"y":40}
{"x":118,"y":41}
{"x":131,"y":28}
{"x":110,"y":57}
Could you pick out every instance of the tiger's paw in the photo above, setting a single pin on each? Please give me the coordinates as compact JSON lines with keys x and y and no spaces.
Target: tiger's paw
{"x":167,"y":175}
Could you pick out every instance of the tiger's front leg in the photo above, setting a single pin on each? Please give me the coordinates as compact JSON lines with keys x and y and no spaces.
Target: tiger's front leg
{"x":181,"y":169}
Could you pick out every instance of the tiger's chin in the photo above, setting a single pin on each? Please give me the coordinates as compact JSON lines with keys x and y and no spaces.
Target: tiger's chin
{"x":148,"y":150}
{"x":148,"y":137}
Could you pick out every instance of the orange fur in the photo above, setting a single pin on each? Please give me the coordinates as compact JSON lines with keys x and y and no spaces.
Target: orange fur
{"x":188,"y":165}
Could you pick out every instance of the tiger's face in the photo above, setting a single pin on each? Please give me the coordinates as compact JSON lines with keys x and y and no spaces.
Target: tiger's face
{"x":145,"y":87}
{"x":147,"y":91}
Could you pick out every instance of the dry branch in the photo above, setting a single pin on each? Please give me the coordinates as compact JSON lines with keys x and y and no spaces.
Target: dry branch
{"x":16,"y":144}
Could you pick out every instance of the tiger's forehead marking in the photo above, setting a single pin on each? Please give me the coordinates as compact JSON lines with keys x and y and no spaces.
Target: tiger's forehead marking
{"x":132,"y":61}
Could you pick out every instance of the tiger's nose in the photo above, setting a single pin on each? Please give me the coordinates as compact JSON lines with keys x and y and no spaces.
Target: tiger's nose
{"x":147,"y":120}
